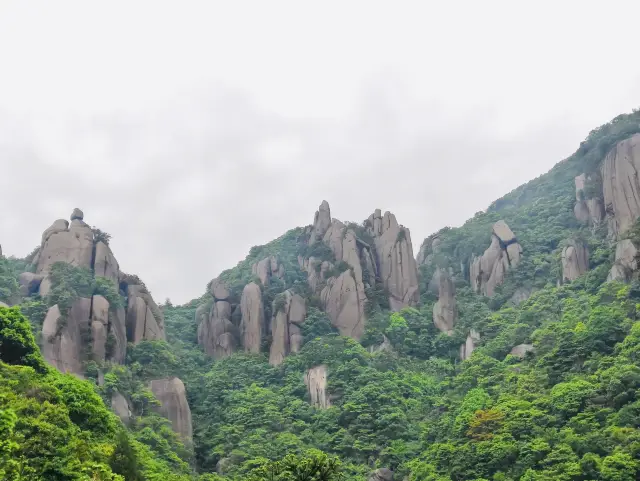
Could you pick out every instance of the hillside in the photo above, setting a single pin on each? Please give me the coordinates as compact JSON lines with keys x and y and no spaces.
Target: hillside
{"x":505,"y":349}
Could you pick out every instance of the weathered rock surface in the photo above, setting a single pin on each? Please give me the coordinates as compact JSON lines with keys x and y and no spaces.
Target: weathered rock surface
{"x":29,"y":283}
{"x":316,"y":381}
{"x":521,"y":350}
{"x":216,"y":333}
{"x":428,"y":249}
{"x":521,"y":294}
{"x":118,"y":328}
{"x":62,"y":336}
{"x":489,"y":270}
{"x":285,"y":326}
{"x":466,"y":349}
{"x":575,"y":260}
{"x":385,"y":345}
{"x":626,"y":261}
{"x":621,"y":186}
{"x":105,"y":264}
{"x":77,"y":214}
{"x":397,"y":266}
{"x":173,"y":405}
{"x":587,"y":210}
{"x":267,"y":268}
{"x":252,"y":317}
{"x":343,"y":300}
{"x":382,"y":474}
{"x":120,"y":406}
{"x":219,"y":290}
{"x":321,"y":223}
{"x":445,"y":311}
{"x":144,"y":319}
{"x":73,"y":245}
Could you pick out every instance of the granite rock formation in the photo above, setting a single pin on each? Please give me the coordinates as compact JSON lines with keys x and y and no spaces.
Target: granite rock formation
{"x":216,"y":333}
{"x":626,"y":261}
{"x":466,"y":349}
{"x":289,"y":312}
{"x":445,"y":311}
{"x":253,"y":325}
{"x":489,"y":270}
{"x":575,"y":260}
{"x":172,"y":396}
{"x":316,"y":381}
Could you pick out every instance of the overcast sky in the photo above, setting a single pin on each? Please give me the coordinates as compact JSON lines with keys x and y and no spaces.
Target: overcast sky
{"x":192,"y":131}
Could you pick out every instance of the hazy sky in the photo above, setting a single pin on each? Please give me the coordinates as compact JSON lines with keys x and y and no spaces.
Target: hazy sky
{"x":192,"y":131}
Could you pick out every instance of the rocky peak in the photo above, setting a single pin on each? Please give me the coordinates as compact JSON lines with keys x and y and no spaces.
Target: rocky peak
{"x":216,"y":333}
{"x":252,"y":310}
{"x":267,"y":268}
{"x":445,"y":311}
{"x":488,"y":271}
{"x":321,"y":223}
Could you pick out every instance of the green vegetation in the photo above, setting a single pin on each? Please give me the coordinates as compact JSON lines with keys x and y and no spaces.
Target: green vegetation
{"x":401,"y":398}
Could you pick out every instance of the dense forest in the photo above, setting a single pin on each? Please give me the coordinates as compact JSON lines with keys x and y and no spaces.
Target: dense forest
{"x":536,"y":376}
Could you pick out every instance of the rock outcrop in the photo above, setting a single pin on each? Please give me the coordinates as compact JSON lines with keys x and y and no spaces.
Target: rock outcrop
{"x":575,"y":260}
{"x":105,"y":263}
{"x":216,"y":333}
{"x":344,"y":302}
{"x":382,"y":474}
{"x":397,"y":266}
{"x":521,"y":350}
{"x":64,"y":334}
{"x":289,"y":312}
{"x":267,"y":268}
{"x":144,"y":319}
{"x":466,"y":349}
{"x":252,"y":317}
{"x":316,"y":381}
{"x":120,"y":406}
{"x":172,"y":396}
{"x":321,"y":223}
{"x":626,"y":261}
{"x":428,"y":249}
{"x":621,"y":186}
{"x":62,"y":242}
{"x":488,"y":271}
{"x":589,"y":209}
{"x":445,"y":311}
{"x":29,"y":283}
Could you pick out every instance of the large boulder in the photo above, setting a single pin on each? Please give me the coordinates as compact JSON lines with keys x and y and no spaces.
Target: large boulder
{"x":252,"y":310}
{"x":73,"y":245}
{"x":343,"y":301}
{"x":289,"y":312}
{"x":316,"y":381}
{"x":144,"y":319}
{"x":588,"y":210}
{"x":575,"y":260}
{"x":120,"y":406}
{"x":321,"y":223}
{"x":397,"y":266}
{"x":64,"y":334}
{"x":489,"y":270}
{"x":621,"y":186}
{"x":173,"y":405}
{"x":428,"y":249}
{"x":29,"y":283}
{"x":445,"y":311}
{"x":219,"y":290}
{"x":626,"y":261}
{"x":521,"y":350}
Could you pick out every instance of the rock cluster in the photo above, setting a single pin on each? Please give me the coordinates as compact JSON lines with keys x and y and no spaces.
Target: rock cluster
{"x":589,"y":209}
{"x":66,"y":332}
{"x":488,"y":271}
{"x":267,"y":268}
{"x":621,"y":186}
{"x":445,"y":310}
{"x":575,"y":260}
{"x":252,"y":309}
{"x":316,"y":381}
{"x":289,"y":312}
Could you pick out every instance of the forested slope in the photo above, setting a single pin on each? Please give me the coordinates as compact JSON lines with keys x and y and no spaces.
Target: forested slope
{"x":511,"y":354}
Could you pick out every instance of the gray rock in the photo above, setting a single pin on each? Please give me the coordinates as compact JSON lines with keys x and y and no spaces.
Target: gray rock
{"x":285,"y":330}
{"x":77,"y":214}
{"x":120,"y":406}
{"x":575,"y":260}
{"x":343,"y":301}
{"x":321,"y":223}
{"x":316,"y":381}
{"x":105,"y":264}
{"x":626,"y":261}
{"x":445,"y":311}
{"x":252,"y":317}
{"x":620,"y":184}
{"x":382,"y":474}
{"x":219,"y":289}
{"x":521,"y":350}
{"x":173,"y":405}
{"x":216,"y":333}
{"x":29,"y":283}
{"x":466,"y":349}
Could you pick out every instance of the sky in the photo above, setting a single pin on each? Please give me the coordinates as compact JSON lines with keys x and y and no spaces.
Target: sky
{"x":191,"y":131}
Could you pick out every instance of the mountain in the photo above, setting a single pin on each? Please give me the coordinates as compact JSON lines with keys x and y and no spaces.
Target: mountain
{"x":505,"y":349}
